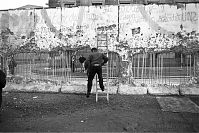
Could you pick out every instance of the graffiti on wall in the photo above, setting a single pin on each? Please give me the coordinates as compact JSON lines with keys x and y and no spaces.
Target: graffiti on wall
{"x":158,"y":26}
{"x":79,"y":26}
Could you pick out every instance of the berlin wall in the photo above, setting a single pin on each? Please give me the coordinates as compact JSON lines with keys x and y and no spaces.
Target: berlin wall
{"x":129,"y":27}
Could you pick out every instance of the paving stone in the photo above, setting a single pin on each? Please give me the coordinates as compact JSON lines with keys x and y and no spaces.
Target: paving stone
{"x":163,"y":90}
{"x":176,"y":104}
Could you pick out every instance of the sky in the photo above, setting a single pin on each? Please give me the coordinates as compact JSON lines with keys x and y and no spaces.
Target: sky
{"x":12,"y":4}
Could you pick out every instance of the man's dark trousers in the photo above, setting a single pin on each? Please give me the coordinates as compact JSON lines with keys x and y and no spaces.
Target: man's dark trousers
{"x":93,"y":70}
{"x":0,"y":96}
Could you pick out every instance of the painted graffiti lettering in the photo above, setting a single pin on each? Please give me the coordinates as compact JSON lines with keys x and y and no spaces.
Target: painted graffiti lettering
{"x":108,"y":9}
{"x":51,"y":29}
{"x":129,"y":9}
{"x":63,"y":28}
{"x":133,"y":18}
{"x":93,"y":16}
{"x":82,"y":26}
{"x":190,"y":16}
{"x":186,"y":16}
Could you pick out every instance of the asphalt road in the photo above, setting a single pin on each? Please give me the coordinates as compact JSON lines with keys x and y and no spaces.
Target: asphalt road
{"x":42,"y":112}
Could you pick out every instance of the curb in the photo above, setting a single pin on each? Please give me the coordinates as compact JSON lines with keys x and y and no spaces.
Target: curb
{"x":123,"y":89}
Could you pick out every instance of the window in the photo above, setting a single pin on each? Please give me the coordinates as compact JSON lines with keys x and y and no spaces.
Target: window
{"x":69,"y":5}
{"x":125,"y":1}
{"x":96,"y":4}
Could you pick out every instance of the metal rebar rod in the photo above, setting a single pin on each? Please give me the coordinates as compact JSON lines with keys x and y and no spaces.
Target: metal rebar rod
{"x":190,"y":66}
{"x":151,"y":69}
{"x":194,"y":65}
{"x":134,"y":61}
{"x":165,"y":71}
{"x":181,"y":67}
{"x":145,"y":66}
{"x":25,"y":65}
{"x":142,"y":75}
{"x":48,"y":67}
{"x":187,"y":65}
{"x":169,"y":68}
{"x":112,"y":67}
{"x":30,"y":72}
{"x":154,"y":66}
{"x":53,"y":66}
{"x":138,"y":66}
{"x":162,"y":66}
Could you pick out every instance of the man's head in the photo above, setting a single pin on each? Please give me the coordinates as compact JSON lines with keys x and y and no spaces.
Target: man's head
{"x":94,"y":50}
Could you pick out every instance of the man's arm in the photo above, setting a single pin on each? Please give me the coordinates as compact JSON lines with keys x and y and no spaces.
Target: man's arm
{"x":87,"y":62}
{"x":105,"y":59}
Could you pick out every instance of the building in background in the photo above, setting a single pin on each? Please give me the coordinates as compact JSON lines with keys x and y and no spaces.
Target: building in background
{"x":29,"y":7}
{"x":73,"y":3}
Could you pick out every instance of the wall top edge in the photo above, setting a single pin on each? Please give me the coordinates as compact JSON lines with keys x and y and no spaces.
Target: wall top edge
{"x":102,"y":6}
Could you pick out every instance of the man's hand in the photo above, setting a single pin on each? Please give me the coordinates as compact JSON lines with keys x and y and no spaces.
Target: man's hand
{"x":85,"y":71}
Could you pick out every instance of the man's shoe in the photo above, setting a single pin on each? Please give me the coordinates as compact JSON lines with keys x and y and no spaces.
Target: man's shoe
{"x":102,"y":89}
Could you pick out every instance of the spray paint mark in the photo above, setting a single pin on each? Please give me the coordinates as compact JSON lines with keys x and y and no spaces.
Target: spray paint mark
{"x":48,"y":21}
{"x":80,"y":15}
{"x":153,"y":25}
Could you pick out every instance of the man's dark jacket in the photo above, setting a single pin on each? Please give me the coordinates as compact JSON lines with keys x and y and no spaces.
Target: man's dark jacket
{"x":95,"y":58}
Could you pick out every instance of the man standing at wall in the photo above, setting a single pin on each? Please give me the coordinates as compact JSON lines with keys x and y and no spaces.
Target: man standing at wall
{"x":94,"y":65}
{"x":2,"y":84}
{"x":81,"y":60}
{"x":12,"y":64}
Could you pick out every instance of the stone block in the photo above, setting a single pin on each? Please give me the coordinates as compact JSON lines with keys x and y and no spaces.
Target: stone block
{"x":163,"y":90}
{"x":14,"y":87}
{"x":31,"y":88}
{"x":74,"y":89}
{"x":127,"y":89}
{"x":112,"y":89}
{"x":189,"y":90}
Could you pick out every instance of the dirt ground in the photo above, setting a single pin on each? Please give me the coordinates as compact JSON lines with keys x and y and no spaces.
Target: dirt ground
{"x":56,"y":112}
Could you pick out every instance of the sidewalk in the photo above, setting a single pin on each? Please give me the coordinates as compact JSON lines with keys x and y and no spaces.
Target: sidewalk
{"x":81,"y":87}
{"x":24,"y":112}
